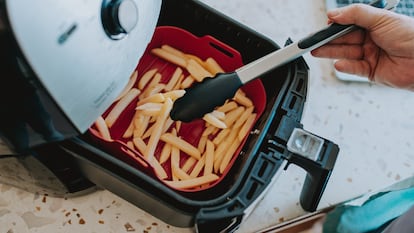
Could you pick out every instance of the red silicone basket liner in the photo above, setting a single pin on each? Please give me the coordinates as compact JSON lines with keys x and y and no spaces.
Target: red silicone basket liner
{"x":202,"y":47}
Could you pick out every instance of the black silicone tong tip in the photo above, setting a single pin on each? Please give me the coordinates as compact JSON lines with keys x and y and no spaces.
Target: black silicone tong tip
{"x":203,"y":97}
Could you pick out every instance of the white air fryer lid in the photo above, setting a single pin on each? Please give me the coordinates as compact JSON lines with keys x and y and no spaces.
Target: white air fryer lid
{"x":83,"y":51}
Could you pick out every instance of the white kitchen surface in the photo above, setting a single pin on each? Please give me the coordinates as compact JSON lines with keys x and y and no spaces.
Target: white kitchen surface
{"x":372,"y":124}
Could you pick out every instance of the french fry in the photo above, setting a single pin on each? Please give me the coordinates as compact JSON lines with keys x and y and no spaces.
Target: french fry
{"x":175,"y":161}
{"x":148,"y":132}
{"x":159,"y":170}
{"x":209,"y":155}
{"x":155,"y":89}
{"x":170,"y":57}
{"x":146,"y":77}
{"x":156,"y":79}
{"x":195,"y":58}
{"x":139,"y":144}
{"x":152,"y":119}
{"x":219,"y":115}
{"x":213,"y":120}
{"x":130,"y":129}
{"x":180,"y":174}
{"x":156,"y":98}
{"x":140,"y":125}
{"x":219,"y":154}
{"x":152,"y":88}
{"x":202,"y":143}
{"x":243,"y":117}
{"x":149,"y":109}
{"x":181,"y":144}
{"x":150,"y":112}
{"x":165,"y":153}
{"x":227,"y":107}
{"x":198,"y":167}
{"x":233,"y":115}
{"x":221,"y":136}
{"x":172,"y":50}
{"x":222,"y":148}
{"x":167,"y":150}
{"x":129,"y":85}
{"x":208,"y":130}
{"x":215,"y":131}
{"x":178,"y":125}
{"x":173,"y":95}
{"x":157,"y":130}
{"x":246,"y":126}
{"x":174,"y":79}
{"x":178,"y":84}
{"x":242,"y":99}
{"x":149,"y":106}
{"x":167,"y":125}
{"x":197,"y":71}
{"x":241,"y":92}
{"x":103,"y":129}
{"x":130,"y":145}
{"x":191,"y":183}
{"x":189,"y":163}
{"x":120,"y":106}
{"x":229,"y":155}
{"x":187,"y":82}
{"x":212,"y":66}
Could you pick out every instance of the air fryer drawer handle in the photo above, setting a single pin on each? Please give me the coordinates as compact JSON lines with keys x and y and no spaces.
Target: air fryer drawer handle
{"x":313,"y":188}
{"x":318,"y":165}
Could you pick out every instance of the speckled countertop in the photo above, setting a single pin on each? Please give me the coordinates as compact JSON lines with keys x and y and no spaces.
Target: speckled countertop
{"x":373,"y":125}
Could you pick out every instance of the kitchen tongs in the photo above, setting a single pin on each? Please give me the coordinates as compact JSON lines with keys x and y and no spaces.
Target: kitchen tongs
{"x":203,"y":97}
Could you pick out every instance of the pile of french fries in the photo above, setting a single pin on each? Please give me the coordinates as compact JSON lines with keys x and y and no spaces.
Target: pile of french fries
{"x":224,"y":131}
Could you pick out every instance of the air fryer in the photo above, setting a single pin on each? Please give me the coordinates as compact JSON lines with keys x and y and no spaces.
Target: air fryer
{"x":276,"y":139}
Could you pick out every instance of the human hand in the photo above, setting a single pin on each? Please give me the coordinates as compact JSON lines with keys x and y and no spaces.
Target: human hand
{"x":383,"y":50}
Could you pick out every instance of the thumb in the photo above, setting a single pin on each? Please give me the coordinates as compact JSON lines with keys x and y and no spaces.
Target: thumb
{"x":362,"y":15}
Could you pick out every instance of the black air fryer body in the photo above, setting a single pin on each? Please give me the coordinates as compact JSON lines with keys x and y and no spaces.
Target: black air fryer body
{"x":77,"y":163}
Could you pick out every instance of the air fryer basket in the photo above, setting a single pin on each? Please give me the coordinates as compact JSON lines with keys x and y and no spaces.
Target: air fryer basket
{"x":263,"y":154}
{"x":192,"y":132}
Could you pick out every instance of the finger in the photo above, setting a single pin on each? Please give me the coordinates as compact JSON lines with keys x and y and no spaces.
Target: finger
{"x":356,"y":67}
{"x":355,"y":37}
{"x":339,"y":51}
{"x":362,"y":15}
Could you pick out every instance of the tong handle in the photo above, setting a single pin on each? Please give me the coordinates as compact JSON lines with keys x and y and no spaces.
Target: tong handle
{"x":336,"y":30}
{"x":333,"y":31}
{"x":282,"y":56}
